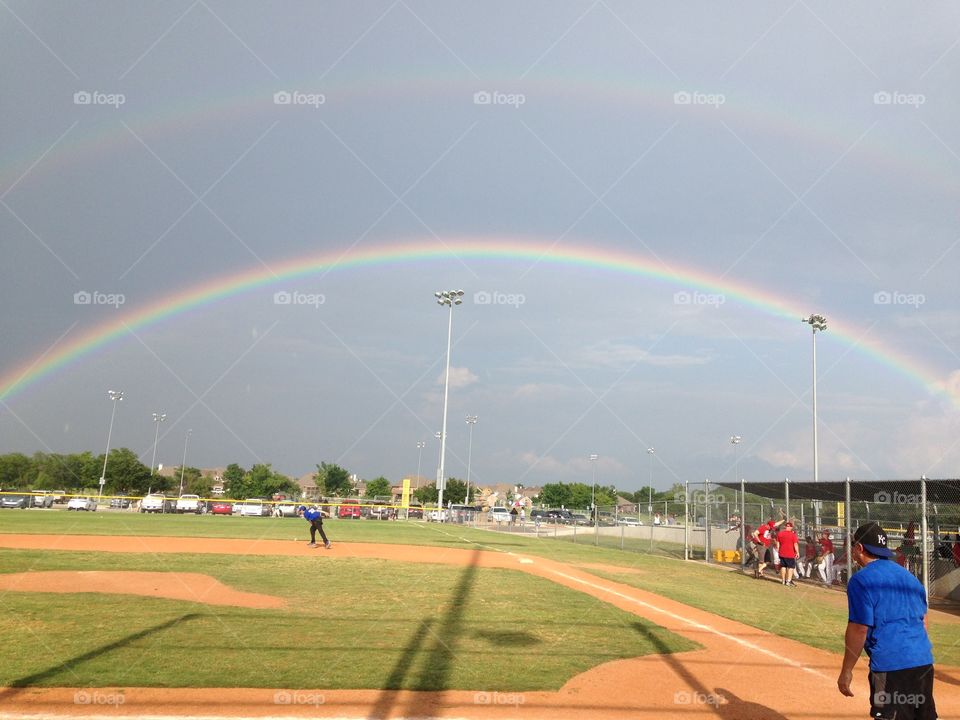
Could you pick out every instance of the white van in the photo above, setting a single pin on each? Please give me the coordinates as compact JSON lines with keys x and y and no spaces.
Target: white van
{"x":499,"y":514}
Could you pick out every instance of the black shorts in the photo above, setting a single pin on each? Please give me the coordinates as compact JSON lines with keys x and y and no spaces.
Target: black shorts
{"x":788,"y":562}
{"x":903,"y":694}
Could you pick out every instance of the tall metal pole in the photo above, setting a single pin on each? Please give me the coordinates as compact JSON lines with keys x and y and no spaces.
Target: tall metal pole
{"x":449,"y":298}
{"x":183,"y":465}
{"x":471,"y":421}
{"x":157,"y":419}
{"x":816,"y":323}
{"x":593,"y":491}
{"x":650,"y":452}
{"x":421,"y":444}
{"x":116,"y":396}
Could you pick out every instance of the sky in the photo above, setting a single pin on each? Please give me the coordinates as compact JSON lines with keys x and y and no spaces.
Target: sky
{"x":238,"y":215}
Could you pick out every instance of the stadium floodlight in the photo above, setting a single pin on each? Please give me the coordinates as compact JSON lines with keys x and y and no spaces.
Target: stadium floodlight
{"x":183,"y":465}
{"x":157,"y":419}
{"x":448,"y":298}
{"x":471,"y":421}
{"x":817,"y":323}
{"x":116,"y":396}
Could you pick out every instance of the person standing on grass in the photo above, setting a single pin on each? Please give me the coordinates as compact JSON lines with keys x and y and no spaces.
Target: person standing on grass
{"x":762,"y":539}
{"x":788,"y":546}
{"x":888,"y":618}
{"x":315,"y":517}
{"x":805,"y":566}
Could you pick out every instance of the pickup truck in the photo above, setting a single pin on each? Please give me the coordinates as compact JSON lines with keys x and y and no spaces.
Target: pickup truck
{"x":157,"y":504}
{"x":190,"y":504}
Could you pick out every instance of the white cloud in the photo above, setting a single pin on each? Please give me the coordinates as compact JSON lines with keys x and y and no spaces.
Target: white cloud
{"x":459,"y":377}
{"x":612,"y":353}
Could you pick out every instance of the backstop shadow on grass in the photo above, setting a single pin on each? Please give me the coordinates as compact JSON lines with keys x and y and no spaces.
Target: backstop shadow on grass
{"x":429,"y":668}
{"x":21,"y":684}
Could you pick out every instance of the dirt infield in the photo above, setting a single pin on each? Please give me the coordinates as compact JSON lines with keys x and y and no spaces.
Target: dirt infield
{"x":740,"y":674}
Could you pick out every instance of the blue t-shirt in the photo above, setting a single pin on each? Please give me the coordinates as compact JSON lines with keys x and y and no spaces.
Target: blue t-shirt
{"x":312,"y":514}
{"x":892,"y":604}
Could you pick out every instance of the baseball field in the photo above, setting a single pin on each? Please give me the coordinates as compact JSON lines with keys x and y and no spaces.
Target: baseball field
{"x":122,"y":614}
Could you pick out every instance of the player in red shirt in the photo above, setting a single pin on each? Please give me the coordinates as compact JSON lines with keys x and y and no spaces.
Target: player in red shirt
{"x":762,"y":537}
{"x":825,"y":568}
{"x":788,"y":545}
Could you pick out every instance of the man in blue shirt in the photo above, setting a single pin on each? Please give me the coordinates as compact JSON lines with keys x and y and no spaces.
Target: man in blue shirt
{"x":315,"y":518}
{"x":888,"y":618}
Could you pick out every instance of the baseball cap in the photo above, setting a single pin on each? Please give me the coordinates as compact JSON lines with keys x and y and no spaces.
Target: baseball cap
{"x":302,"y":508}
{"x":788,"y":524}
{"x":874,"y":540}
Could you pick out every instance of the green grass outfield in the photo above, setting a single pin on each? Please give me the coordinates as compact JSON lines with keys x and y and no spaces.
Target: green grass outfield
{"x":350,"y":623}
{"x":808,"y":614}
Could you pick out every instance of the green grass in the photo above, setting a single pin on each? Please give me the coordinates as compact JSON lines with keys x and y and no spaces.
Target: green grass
{"x":350,"y":623}
{"x":808,"y":613}
{"x":811,"y":615}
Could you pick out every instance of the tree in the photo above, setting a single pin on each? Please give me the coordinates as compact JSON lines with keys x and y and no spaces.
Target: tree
{"x":15,"y":470}
{"x":333,"y":480}
{"x":455,"y":492}
{"x":192,"y":479}
{"x":427,"y":494}
{"x":379,"y":487}
{"x":554,"y":495}
{"x":233,"y":478}
{"x":125,"y":473}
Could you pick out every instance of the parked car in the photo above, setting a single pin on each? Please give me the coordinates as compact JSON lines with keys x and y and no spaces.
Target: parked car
{"x":255,"y":507}
{"x":579,"y":519}
{"x":41,"y":499}
{"x":415,"y":512}
{"x":189,"y":504}
{"x":286,"y":508}
{"x":564,"y":517}
{"x":15,"y":501}
{"x":380,"y":512}
{"x":606,"y":519}
{"x":82,"y":503}
{"x":156,"y":503}
{"x":629,"y":522}
{"x":59,"y":496}
{"x":438,"y":516}
{"x":218,"y":507}
{"x":119,"y":503}
{"x":349,"y":509}
{"x":499,"y":514}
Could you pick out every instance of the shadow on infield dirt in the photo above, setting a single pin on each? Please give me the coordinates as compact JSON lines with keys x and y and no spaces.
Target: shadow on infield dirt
{"x":723,"y":703}
{"x":434,"y":644}
{"x":21,"y":684}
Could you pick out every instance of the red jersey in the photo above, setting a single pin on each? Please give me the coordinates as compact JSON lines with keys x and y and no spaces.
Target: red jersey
{"x":810,"y":551}
{"x":765,"y":532}
{"x":826,"y":546}
{"x":788,"y":543}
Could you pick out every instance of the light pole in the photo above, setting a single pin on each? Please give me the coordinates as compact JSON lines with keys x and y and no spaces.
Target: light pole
{"x":421,"y":444}
{"x":816,"y":322}
{"x":448,"y":298}
{"x":471,"y":421}
{"x":736,"y":440}
{"x":116,"y":396}
{"x":183,"y":465}
{"x":157,"y":419}
{"x":593,"y":491}
{"x":650,"y":452}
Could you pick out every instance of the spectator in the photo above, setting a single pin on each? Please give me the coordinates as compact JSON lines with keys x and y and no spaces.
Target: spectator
{"x":763,"y":540}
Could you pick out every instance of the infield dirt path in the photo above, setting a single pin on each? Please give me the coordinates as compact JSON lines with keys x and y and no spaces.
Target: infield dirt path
{"x":741,"y":673}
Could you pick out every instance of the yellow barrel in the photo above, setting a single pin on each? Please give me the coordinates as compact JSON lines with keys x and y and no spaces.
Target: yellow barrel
{"x":731,"y":556}
{"x":718,"y":555}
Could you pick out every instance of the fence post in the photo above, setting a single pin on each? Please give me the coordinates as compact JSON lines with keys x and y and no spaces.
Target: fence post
{"x":686,"y":519}
{"x":847,"y":521}
{"x":925,"y":549}
{"x":786,"y":496}
{"x":743,"y":527}
{"x":706,"y":520}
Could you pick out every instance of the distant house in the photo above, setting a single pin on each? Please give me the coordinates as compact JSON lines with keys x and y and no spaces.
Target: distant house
{"x":308,"y":486}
